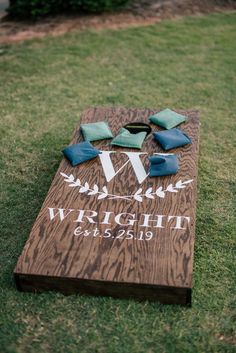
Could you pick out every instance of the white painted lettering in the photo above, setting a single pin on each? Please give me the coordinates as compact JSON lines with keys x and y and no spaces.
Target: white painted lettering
{"x":130,"y":222}
{"x":62,"y":212}
{"x":147,"y":220}
{"x":133,"y":158}
{"x":89,"y":217}
{"x":178,"y":221}
{"x":107,"y":217}
{"x":124,"y":218}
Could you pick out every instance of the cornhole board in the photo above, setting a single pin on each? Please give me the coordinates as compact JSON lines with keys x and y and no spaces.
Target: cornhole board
{"x":107,"y":228}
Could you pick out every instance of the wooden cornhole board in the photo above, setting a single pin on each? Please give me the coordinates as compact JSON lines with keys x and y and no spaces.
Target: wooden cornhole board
{"x":106,"y":228}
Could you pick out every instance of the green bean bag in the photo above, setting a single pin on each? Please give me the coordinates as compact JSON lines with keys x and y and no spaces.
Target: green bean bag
{"x":167,"y":119}
{"x":127,"y":139}
{"x":96,"y":131}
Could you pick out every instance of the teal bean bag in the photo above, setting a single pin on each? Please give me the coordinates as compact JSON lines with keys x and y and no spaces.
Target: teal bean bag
{"x":167,"y":119}
{"x":96,"y":131}
{"x":127,"y":139}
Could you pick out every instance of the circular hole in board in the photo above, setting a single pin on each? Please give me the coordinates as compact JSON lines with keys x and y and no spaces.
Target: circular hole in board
{"x":136,"y":127}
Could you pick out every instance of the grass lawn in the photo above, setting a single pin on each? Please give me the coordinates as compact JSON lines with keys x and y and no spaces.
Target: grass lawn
{"x":45,"y":85}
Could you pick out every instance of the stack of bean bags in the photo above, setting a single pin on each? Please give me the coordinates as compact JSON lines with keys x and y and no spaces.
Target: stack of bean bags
{"x":84,"y":151}
{"x":160,"y":164}
{"x":167,"y":139}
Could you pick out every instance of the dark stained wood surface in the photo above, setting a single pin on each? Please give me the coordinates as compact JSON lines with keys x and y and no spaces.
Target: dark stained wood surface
{"x":123,"y":265}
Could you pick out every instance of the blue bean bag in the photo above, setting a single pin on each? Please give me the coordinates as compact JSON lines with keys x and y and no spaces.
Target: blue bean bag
{"x":80,"y":152}
{"x":171,"y":138}
{"x":163,"y":165}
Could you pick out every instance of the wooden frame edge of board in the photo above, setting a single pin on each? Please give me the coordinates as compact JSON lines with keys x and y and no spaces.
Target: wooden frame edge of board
{"x":69,"y":286}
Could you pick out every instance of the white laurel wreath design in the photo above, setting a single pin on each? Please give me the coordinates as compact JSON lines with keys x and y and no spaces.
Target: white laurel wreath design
{"x":138,"y":196}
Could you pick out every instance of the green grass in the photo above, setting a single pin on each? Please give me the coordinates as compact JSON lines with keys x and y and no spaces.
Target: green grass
{"x":45,"y":85}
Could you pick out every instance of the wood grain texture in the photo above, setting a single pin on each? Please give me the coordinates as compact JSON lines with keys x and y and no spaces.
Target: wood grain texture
{"x":156,"y":269}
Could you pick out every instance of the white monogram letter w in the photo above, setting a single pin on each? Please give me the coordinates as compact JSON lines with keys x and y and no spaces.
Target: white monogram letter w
{"x":133,"y":158}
